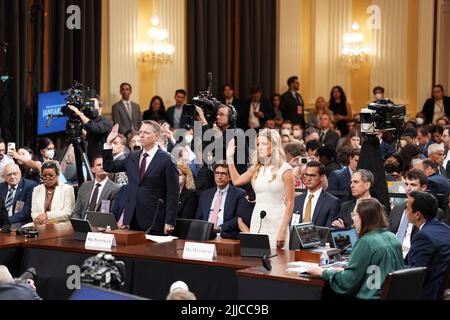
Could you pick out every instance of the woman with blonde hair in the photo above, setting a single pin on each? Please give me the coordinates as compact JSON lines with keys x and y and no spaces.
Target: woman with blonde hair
{"x":273,"y":182}
{"x":188,"y":201}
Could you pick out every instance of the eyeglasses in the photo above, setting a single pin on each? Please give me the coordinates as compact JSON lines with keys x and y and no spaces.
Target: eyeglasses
{"x":312,"y":176}
{"x":221,"y":174}
{"x":48,"y":176}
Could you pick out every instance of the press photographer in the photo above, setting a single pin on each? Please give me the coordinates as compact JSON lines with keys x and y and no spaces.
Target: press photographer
{"x":21,"y":288}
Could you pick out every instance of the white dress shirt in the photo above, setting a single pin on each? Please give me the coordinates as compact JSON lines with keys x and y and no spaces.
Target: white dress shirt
{"x":222,"y":205}
{"x":313,"y":202}
{"x":100,"y":189}
{"x":253,"y":121}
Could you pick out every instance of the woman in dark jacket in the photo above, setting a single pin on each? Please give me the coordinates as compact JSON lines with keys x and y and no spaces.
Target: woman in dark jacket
{"x":188,"y":200}
{"x":156,"y":110}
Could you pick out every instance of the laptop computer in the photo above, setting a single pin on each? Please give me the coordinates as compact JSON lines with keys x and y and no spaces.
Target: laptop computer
{"x":325,"y":235}
{"x":304,"y":236}
{"x":255,"y":245}
{"x":101,"y":220}
{"x":80,"y":228}
{"x":343,"y":238}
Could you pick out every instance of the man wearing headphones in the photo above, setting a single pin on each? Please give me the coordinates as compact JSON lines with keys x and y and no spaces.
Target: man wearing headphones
{"x":226,"y":125}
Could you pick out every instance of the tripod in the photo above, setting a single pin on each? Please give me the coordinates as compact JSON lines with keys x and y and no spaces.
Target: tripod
{"x":81,"y":161}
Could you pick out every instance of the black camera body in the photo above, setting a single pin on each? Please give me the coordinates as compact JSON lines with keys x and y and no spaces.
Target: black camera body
{"x":103,"y":271}
{"x":383,"y":116}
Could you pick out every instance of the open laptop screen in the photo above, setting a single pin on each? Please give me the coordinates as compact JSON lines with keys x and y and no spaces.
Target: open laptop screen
{"x":308,"y":235}
{"x":344,"y":238}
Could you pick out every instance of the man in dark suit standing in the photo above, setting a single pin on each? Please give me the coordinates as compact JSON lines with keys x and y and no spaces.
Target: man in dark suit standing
{"x":362,"y":181}
{"x":292,"y":105}
{"x":16,"y":195}
{"x":340,"y":180}
{"x":220,"y":205}
{"x":152,"y":180}
{"x":177,"y":116}
{"x":430,"y":247}
{"x":255,"y":112}
{"x":316,"y":205}
{"x":92,"y":195}
{"x":328,"y":137}
{"x":438,"y":106}
{"x":229,"y":98}
{"x":126,"y":113}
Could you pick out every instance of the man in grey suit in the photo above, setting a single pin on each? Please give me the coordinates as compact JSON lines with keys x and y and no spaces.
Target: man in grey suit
{"x":93,"y":195}
{"x":125,"y":112}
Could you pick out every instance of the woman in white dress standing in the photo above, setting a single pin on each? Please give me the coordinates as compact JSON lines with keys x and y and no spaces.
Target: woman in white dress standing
{"x":273,"y":182}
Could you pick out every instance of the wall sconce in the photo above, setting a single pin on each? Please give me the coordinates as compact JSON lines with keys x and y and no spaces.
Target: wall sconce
{"x":354,"y":53}
{"x":158,"y":50}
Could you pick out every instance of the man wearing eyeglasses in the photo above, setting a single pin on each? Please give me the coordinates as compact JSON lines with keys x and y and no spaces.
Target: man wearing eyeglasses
{"x":316,"y":205}
{"x":4,"y":159}
{"x":362,"y":181}
{"x":219,"y":205}
{"x":16,"y":194}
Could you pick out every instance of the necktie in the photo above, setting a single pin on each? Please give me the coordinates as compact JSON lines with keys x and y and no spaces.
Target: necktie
{"x":127,"y":104}
{"x":9,"y":199}
{"x":401,"y":232}
{"x":93,"y":204}
{"x":216,"y":210}
{"x":322,"y":135}
{"x":307,"y":216}
{"x":143,"y":165}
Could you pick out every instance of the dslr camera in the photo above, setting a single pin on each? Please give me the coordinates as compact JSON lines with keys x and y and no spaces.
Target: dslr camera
{"x":103,"y":271}
{"x":383,"y":116}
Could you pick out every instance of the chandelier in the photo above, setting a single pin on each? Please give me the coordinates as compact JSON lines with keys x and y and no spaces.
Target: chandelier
{"x":158,"y":50}
{"x":354,"y":53}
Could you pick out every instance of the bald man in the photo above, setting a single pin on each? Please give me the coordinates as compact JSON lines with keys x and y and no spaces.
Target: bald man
{"x":15,"y":193}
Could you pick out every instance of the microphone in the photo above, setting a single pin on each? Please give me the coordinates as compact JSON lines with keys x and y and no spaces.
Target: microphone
{"x":158,"y":205}
{"x":49,"y":121}
{"x":262,"y":215}
{"x":210,"y":82}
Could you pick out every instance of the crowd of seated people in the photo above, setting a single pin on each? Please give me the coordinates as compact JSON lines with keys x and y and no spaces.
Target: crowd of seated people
{"x":317,"y":152}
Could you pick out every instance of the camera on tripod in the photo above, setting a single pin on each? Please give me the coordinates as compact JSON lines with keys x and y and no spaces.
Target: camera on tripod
{"x":81,"y":97}
{"x":382,"y":116}
{"x":103,"y":271}
{"x":206,"y":101}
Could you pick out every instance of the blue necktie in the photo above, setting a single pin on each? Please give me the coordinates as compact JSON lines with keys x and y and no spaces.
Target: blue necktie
{"x":401,"y":232}
{"x":9,"y":199}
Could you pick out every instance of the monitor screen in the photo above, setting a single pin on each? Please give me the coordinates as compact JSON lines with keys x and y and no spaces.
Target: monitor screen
{"x":50,"y":103}
{"x":87,"y":292}
{"x":344,"y":238}
{"x":308,"y":234}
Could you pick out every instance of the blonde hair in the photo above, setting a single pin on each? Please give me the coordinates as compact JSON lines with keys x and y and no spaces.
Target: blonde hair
{"x":277,"y":158}
{"x":186,"y":171}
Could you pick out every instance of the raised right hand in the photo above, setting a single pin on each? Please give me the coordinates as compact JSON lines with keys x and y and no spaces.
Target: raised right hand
{"x":113,"y":135}
{"x":231,"y":150}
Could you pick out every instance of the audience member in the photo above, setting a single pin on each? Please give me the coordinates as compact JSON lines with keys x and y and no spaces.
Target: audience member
{"x":437,"y":106}
{"x":341,"y":109}
{"x":292,"y":104}
{"x":340,"y":180}
{"x":255,"y":112}
{"x":188,"y":198}
{"x":120,"y":152}
{"x":436,"y":153}
{"x":156,"y":110}
{"x":327,"y":156}
{"x":177,"y":115}
{"x":320,"y":107}
{"x":327,"y":136}
{"x":29,"y":168}
{"x":125,"y":113}
{"x":4,"y":158}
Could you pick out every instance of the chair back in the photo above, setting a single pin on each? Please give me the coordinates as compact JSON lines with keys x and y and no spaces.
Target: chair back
{"x":405,"y":284}
{"x":195,"y":230}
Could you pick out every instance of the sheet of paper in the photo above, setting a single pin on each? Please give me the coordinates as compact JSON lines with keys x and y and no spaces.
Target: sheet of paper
{"x":297,"y":270}
{"x":160,"y":239}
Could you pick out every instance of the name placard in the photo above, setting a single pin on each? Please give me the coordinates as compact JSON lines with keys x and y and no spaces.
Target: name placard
{"x":199,"y":251}
{"x":102,"y":241}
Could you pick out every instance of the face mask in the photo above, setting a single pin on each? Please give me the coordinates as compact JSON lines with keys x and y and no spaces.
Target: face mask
{"x":286,"y":132}
{"x":181,"y":180}
{"x":379,"y":96}
{"x":390,"y":168}
{"x":297,"y":134}
{"x":50,"y":154}
{"x":420,"y":121}
{"x":188,"y":139}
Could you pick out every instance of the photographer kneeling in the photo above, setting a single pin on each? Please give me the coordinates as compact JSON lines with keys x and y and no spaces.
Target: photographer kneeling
{"x":16,"y":289}
{"x":96,"y":126}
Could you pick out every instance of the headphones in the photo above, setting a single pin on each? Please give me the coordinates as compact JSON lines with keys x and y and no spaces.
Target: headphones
{"x":232,"y":115}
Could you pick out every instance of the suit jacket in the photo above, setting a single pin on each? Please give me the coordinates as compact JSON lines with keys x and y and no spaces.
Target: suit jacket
{"x":186,"y":119}
{"x":332,"y":166}
{"x":443,"y":171}
{"x":97,"y":132}
{"x":120,"y":202}
{"x":428,"y":109}
{"x":4,"y":219}
{"x":325,"y":212}
{"x":289,"y":108}
{"x":340,"y":180}
{"x":431,"y":248}
{"x":395,"y":217}
{"x":345,"y":212}
{"x":187,"y":204}
{"x":439,"y":186}
{"x":24,"y":193}
{"x":233,"y":203}
{"x":121,"y":117}
{"x":244,"y":113}
{"x":331,"y":138}
{"x":109,"y":192}
{"x":62,"y":204}
{"x":160,"y":182}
